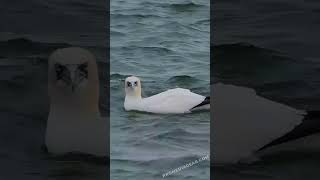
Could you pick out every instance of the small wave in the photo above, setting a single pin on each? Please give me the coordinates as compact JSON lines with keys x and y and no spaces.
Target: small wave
{"x":161,"y":159}
{"x":117,"y":33}
{"x":117,"y":76}
{"x":18,"y":42}
{"x":184,"y":6}
{"x":178,"y":6}
{"x":80,"y":157}
{"x":179,"y":134}
{"x":125,"y":16}
{"x":242,"y":47}
{"x":23,"y":46}
{"x":75,"y":6}
{"x":181,"y":79}
{"x":154,"y":49}
{"x":173,"y":161}
{"x":202,"y":21}
{"x":248,"y":56}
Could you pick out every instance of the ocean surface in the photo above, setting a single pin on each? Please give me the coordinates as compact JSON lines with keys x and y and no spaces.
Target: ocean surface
{"x":29,"y":32}
{"x":166,"y":44}
{"x":269,"y":45}
{"x":273,"y":47}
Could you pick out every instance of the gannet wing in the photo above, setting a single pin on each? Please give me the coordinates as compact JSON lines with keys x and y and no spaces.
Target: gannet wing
{"x":244,"y":122}
{"x":176,"y":100}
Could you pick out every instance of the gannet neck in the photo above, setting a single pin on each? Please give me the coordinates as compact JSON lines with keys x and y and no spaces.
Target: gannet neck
{"x":133,"y":98}
{"x":83,"y":102}
{"x":132,"y":102}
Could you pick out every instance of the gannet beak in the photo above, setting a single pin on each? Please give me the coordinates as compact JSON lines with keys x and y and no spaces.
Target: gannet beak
{"x":73,"y":87}
{"x":74,"y":83}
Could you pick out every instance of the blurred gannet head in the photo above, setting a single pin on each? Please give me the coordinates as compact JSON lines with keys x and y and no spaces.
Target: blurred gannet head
{"x":73,"y":76}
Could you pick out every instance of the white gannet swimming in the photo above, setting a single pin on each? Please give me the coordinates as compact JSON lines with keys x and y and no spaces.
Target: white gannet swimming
{"x":74,"y":123}
{"x":246,"y":126}
{"x":176,"y":100}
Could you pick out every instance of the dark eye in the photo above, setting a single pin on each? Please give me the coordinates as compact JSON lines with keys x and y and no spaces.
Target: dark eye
{"x":62,"y":73}
{"x":135,"y":83}
{"x":83,"y":68}
{"x":60,"y":70}
{"x":128,"y":83}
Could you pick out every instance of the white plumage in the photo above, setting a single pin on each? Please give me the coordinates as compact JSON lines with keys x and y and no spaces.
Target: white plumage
{"x":176,"y":100}
{"x":74,"y":123}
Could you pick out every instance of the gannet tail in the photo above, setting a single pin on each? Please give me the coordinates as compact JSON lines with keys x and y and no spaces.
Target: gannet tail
{"x":205,"y":104}
{"x":309,"y":126}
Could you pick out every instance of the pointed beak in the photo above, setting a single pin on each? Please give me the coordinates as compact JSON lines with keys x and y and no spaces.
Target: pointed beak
{"x":74,"y":83}
{"x":73,"y":87}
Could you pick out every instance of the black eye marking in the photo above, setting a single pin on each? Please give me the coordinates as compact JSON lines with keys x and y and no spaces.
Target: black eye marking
{"x":83,"y":70}
{"x":136,"y":83}
{"x":59,"y":70}
{"x":128,"y":84}
{"x":62,"y":73}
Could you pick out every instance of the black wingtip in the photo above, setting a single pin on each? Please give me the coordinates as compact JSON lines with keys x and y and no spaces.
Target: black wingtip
{"x":310,"y":125}
{"x":204,"y":102}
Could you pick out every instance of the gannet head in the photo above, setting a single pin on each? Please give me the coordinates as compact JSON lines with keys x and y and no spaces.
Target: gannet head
{"x":133,"y":87}
{"x":73,"y":77}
